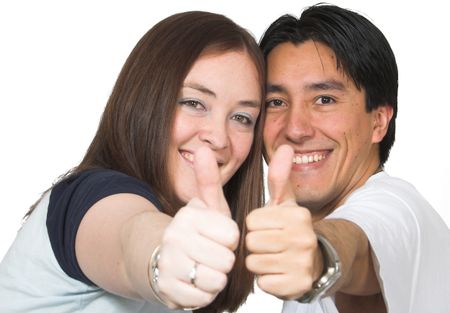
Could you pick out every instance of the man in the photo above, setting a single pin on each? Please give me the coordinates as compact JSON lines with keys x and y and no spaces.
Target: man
{"x":340,"y":234}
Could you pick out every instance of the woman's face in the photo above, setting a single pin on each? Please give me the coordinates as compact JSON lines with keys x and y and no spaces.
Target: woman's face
{"x":217,"y":107}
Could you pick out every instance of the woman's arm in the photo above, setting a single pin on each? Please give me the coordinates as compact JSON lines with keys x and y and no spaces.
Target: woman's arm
{"x":115,"y":241}
{"x":118,"y":234}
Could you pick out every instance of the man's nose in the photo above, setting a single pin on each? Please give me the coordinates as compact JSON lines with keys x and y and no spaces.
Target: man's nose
{"x":299,"y":126}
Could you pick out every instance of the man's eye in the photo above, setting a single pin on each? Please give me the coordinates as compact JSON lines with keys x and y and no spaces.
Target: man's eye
{"x":324,"y":100}
{"x":274,"y":103}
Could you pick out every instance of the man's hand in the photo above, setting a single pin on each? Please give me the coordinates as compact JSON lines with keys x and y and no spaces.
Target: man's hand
{"x":283,"y":246}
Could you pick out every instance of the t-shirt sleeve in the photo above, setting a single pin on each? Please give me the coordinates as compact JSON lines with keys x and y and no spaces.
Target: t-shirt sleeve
{"x":391,"y":228}
{"x":71,"y":198}
{"x":409,"y":242}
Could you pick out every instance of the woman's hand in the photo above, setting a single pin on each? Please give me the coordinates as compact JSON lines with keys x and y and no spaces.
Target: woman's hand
{"x":197,"y":247}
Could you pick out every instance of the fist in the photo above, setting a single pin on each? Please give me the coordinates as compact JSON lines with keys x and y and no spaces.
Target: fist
{"x":283,"y":247}
{"x":197,"y":249}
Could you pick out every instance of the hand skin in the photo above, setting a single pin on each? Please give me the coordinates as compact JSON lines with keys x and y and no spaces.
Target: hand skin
{"x":284,"y":253}
{"x":118,"y":234}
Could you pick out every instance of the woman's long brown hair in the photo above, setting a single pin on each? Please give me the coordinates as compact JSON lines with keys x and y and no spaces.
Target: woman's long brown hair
{"x":135,"y":129}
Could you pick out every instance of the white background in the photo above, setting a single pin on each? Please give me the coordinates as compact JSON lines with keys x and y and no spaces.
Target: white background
{"x":60,"y":59}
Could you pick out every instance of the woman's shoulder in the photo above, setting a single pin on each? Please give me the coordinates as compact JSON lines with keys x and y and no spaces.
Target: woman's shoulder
{"x":93,"y":175}
{"x":98,"y":183}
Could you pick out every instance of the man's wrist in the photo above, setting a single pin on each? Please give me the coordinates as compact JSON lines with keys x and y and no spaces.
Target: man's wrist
{"x":330,"y":274}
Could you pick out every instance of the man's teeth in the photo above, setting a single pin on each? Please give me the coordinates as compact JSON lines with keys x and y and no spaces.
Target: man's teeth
{"x":305,"y":159}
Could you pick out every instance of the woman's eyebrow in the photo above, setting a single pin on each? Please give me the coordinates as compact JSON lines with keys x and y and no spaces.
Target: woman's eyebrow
{"x":200,"y":88}
{"x":205,"y":90}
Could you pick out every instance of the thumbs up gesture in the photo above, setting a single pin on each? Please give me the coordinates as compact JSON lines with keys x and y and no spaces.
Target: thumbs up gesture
{"x":280,"y":239}
{"x":197,"y":246}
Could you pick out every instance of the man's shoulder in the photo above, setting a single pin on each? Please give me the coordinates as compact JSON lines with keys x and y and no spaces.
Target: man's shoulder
{"x":382,"y":184}
{"x":384,"y":195}
{"x":388,"y":198}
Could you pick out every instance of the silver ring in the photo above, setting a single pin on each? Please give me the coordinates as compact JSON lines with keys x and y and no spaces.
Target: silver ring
{"x":192,"y":278}
{"x":193,"y":274}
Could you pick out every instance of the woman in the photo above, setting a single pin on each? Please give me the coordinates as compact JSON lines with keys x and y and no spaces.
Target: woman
{"x":142,"y":224}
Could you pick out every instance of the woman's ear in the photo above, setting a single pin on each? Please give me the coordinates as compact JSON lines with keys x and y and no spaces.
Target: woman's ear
{"x":382,"y":116}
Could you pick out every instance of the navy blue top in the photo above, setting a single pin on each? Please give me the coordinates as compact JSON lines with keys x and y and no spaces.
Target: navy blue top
{"x":71,"y":198}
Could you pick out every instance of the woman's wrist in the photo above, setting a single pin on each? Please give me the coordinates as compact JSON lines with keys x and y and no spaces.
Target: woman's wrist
{"x":153,"y":275}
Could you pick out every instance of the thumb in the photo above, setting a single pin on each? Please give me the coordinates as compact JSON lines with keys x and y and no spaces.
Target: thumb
{"x":209,"y":184}
{"x":280,"y":165}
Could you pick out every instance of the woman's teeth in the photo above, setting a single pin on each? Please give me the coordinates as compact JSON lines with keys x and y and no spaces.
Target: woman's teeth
{"x":188,"y":156}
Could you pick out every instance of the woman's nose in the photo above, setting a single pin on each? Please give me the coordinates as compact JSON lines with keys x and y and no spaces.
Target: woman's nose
{"x":215,"y":134}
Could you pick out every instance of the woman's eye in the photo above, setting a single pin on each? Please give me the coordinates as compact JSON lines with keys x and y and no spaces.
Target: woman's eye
{"x":197,"y":105}
{"x":274,"y":103}
{"x":243,"y":119}
{"x":324,"y":100}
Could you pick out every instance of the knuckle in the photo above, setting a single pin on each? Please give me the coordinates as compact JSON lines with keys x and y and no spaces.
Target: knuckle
{"x":250,"y":262}
{"x":298,"y":214}
{"x":250,"y":241}
{"x":249,"y":221}
{"x":206,"y":298}
{"x":219,"y":282}
{"x":182,"y":214}
{"x":307,"y":283}
{"x":302,"y":286}
{"x":252,"y":220}
{"x":222,"y":281}
{"x":311,"y":241}
{"x":265,"y":285}
{"x":170,"y":235}
{"x":273,"y":177}
{"x":194,"y":202}
{"x":285,"y":287}
{"x":306,"y":215}
{"x":303,"y":242}
{"x":232,"y":235}
{"x":229,"y":261}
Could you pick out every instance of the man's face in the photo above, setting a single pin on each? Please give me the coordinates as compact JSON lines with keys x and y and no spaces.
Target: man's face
{"x":315,"y":108}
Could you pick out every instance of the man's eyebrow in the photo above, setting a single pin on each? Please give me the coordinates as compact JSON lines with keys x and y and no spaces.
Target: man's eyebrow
{"x":326,"y":85}
{"x":314,"y":86}
{"x":200,"y":88}
{"x":275,"y":88}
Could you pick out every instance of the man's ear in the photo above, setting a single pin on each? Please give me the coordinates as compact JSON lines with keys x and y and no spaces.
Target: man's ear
{"x":382,"y":116}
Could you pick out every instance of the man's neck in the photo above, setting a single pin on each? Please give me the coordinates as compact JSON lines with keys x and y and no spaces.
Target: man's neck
{"x":328,"y":208}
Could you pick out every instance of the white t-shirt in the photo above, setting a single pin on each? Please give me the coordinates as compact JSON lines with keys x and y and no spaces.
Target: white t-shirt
{"x":410,"y":242}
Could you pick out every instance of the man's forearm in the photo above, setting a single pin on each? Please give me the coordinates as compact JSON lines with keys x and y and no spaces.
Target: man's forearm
{"x":358,"y":273}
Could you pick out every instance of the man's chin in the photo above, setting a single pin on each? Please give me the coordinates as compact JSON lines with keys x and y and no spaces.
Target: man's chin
{"x":314,"y":202}
{"x":312,"y":206}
